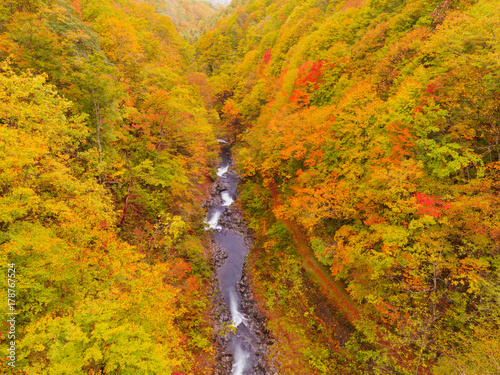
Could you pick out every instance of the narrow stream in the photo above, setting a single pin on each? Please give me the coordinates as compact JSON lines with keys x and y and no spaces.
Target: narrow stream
{"x":243,"y":343}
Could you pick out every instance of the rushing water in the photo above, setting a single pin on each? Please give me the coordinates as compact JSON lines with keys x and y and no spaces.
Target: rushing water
{"x":226,"y":198}
{"x":243,"y":342}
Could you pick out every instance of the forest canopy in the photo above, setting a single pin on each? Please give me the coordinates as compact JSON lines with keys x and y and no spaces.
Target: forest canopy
{"x":105,"y":146}
{"x":376,"y":125}
{"x":367,"y":135}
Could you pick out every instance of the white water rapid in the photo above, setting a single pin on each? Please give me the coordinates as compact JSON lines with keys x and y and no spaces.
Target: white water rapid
{"x":236,"y":314}
{"x":226,"y":198}
{"x":213,"y":222}
{"x":222,"y":170}
{"x":240,"y":360}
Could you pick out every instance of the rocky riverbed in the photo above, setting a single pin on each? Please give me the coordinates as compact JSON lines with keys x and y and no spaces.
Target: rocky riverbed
{"x":251,"y":333}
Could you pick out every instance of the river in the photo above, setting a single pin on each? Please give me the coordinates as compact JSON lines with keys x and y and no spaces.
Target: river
{"x":243,"y":344}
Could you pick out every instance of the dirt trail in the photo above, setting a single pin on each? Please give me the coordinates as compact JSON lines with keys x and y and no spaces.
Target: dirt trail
{"x":337,"y":294}
{"x":334,"y":289}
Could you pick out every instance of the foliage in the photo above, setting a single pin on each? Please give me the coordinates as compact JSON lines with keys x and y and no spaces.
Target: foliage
{"x":190,"y":16}
{"x":105,"y":145}
{"x":377,"y":123}
{"x":370,"y":127}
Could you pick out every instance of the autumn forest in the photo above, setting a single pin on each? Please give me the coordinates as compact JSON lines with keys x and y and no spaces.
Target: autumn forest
{"x":365,"y":136}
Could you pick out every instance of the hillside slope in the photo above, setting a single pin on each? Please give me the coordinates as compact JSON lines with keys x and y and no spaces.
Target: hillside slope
{"x":189,"y":16}
{"x":105,"y":146}
{"x":378,"y":123}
